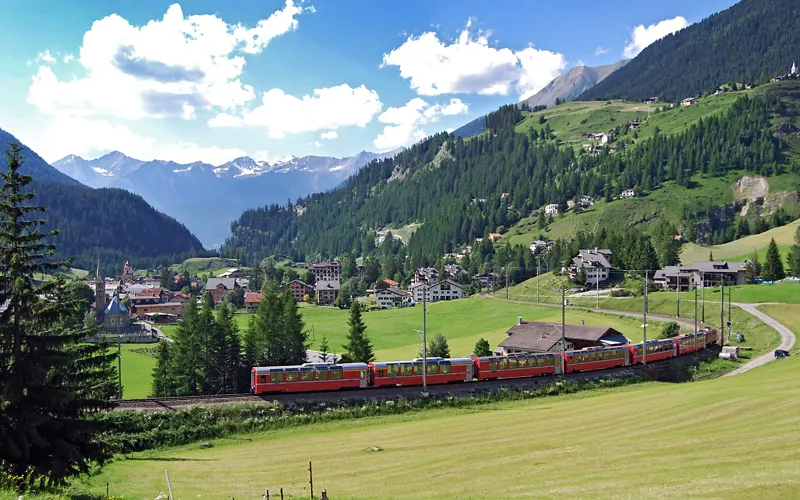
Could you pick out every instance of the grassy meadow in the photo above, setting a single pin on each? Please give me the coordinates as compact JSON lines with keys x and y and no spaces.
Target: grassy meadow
{"x":137,"y":370}
{"x":730,"y":437}
{"x":741,"y":249}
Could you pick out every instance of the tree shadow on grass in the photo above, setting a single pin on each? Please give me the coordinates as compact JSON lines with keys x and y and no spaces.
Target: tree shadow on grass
{"x":172,"y":459}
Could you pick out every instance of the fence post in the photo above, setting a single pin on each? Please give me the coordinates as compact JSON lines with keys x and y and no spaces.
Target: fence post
{"x":324,"y":495}
{"x":266,"y":495}
{"x":169,"y":486}
{"x":311,"y":480}
{"x":281,"y":493}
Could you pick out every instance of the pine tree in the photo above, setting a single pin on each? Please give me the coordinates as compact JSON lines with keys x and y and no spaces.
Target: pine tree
{"x":358,"y":347}
{"x":482,"y":348}
{"x":207,"y":334}
{"x":323,"y":348}
{"x":753,"y":268}
{"x":295,"y":338}
{"x":189,"y":355}
{"x":51,"y":386}
{"x":438,"y":347}
{"x":794,"y":255}
{"x":163,"y":375}
{"x":773,"y":266}
{"x":225,"y":351}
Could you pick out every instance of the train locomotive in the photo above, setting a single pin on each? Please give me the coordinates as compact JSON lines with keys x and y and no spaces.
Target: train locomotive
{"x":313,"y":377}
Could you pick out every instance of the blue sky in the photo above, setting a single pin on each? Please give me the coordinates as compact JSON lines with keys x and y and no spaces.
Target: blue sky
{"x":212,"y":81}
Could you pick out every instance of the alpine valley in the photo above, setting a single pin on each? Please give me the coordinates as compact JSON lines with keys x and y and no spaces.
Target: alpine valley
{"x":207,"y":198}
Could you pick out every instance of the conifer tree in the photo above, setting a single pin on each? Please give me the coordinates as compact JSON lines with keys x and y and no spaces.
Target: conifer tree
{"x":773,"y":266}
{"x":163,"y":374}
{"x":438,"y":347}
{"x":794,"y":255}
{"x":753,"y":268}
{"x":295,"y":338}
{"x":482,"y":348}
{"x":189,"y":355}
{"x":50,"y":385}
{"x":225,"y":351}
{"x":323,"y":348}
{"x":358,"y":347}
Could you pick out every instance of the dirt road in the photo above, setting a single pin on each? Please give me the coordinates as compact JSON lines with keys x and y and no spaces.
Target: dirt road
{"x":788,"y":339}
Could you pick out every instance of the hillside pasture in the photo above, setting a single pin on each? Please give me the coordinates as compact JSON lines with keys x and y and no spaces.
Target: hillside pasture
{"x":741,"y":249}
{"x":732,"y":437}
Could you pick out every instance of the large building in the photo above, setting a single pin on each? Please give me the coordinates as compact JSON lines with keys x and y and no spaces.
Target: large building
{"x":596,"y":263}
{"x":442,"y":290}
{"x":299,"y":290}
{"x":218,"y":286}
{"x":391,"y":297}
{"x":327,"y":292}
{"x":537,"y":337}
{"x":701,"y":274}
{"x":326,"y":271}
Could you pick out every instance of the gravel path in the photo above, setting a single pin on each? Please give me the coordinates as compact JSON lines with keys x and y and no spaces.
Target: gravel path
{"x":788,"y":339}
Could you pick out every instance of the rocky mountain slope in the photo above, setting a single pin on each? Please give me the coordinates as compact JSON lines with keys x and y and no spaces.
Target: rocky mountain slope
{"x":573,"y":83}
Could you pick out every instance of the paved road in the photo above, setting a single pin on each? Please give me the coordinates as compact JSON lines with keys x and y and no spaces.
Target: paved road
{"x":788,"y":339}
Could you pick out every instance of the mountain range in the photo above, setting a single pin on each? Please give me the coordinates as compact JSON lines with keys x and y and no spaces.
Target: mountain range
{"x":207,"y":198}
{"x":116,"y":224}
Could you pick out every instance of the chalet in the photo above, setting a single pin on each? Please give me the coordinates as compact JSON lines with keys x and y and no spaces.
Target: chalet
{"x":607,"y":137}
{"x":688,"y":101}
{"x":628,"y":193}
{"x":634,"y":124}
{"x":651,"y":100}
{"x":232,"y":273}
{"x":674,"y":277}
{"x":596,"y":263}
{"x":486,"y":280}
{"x":587,"y":201}
{"x":494,"y":237}
{"x":700,"y":274}
{"x":453,"y":271}
{"x":391,"y":297}
{"x":595,"y":150}
{"x":326,"y":271}
{"x":425,"y":276}
{"x":384,"y":284}
{"x":155,"y":295}
{"x":327,"y":291}
{"x":151,"y":282}
{"x":551,"y":209}
{"x":181,"y":297}
{"x":442,"y":290}
{"x":595,"y":136}
{"x":252,"y":300}
{"x":538,"y":337}
{"x":538,"y":246}
{"x":172,"y":308}
{"x":218,"y":286}
{"x":298,"y":289}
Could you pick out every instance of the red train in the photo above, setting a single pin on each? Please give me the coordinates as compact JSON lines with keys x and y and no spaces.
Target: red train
{"x":323,"y":377}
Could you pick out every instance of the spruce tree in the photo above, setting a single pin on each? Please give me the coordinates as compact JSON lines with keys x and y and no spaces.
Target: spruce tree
{"x":294,"y":337}
{"x":189,"y":355}
{"x":482,"y":348}
{"x":773,"y":266}
{"x":794,"y":255}
{"x":358,"y":347}
{"x":225,"y":351}
{"x":438,"y":347}
{"x":753,"y":268}
{"x":51,"y":386}
{"x":163,"y":374}
{"x":323,"y":348}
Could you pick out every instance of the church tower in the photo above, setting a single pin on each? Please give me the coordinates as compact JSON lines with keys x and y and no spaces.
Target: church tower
{"x":99,"y":288}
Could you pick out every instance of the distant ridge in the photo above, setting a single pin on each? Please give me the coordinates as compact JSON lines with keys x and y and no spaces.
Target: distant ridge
{"x":573,"y":83}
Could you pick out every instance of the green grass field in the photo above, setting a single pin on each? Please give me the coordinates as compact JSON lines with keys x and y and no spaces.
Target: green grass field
{"x":137,"y":371}
{"x":741,"y":249}
{"x":197,"y":265}
{"x":725,"y":438}
{"x":463,"y":322}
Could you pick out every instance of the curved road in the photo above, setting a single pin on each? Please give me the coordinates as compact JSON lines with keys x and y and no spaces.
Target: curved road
{"x":788,"y":339}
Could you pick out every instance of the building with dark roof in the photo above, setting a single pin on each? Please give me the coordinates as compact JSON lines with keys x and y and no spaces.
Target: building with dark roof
{"x":701,"y":273}
{"x":535,"y":336}
{"x":327,"y":291}
{"x":218,"y":286}
{"x":116,"y":315}
{"x":596,"y":263}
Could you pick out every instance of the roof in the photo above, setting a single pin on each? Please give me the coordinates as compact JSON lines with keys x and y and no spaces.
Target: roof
{"x":303,"y":283}
{"x":320,"y":265}
{"x":150,"y":292}
{"x":593,"y":258}
{"x":393,"y":290}
{"x":538,"y":336}
{"x":228,"y":283}
{"x":116,"y":307}
{"x":390,"y":282}
{"x":163,"y":304}
{"x":719,"y":267}
{"x":253,"y":298}
{"x":326,"y":285}
{"x":673,"y":271}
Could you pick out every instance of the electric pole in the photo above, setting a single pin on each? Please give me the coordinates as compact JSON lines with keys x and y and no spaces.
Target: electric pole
{"x":424,"y":340}
{"x":563,"y":337}
{"x":644,"y":326}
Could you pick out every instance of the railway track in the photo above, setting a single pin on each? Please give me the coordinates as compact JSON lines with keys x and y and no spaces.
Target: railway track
{"x":456,"y":389}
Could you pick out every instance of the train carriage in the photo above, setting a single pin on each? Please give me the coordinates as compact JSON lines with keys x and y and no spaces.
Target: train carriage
{"x":308,"y":377}
{"x":656,"y":350}
{"x":409,"y":373}
{"x":690,"y":343}
{"x":598,"y":358}
{"x":517,"y":365}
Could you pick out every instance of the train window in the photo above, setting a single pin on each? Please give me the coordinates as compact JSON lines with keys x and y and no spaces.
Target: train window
{"x":307,"y":376}
{"x":336,"y":374}
{"x":292,"y":376}
{"x":418,"y":368}
{"x":493,"y":365}
{"x":512,"y":363}
{"x":262,"y":379}
{"x":276,"y":377}
{"x":523,"y":363}
{"x":444,"y":368}
{"x":391,"y":369}
{"x":432,"y":369}
{"x":532,"y":361}
{"x":406,"y":370}
{"x":502,"y":364}
{"x":322,"y":374}
{"x":607,"y":355}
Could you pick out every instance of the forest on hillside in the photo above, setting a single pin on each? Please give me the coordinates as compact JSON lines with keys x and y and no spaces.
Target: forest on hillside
{"x":750,"y":42}
{"x":455,"y":186}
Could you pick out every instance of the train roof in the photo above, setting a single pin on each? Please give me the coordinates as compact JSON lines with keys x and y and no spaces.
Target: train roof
{"x":516,"y":355}
{"x":431,"y":361}
{"x":309,"y":366}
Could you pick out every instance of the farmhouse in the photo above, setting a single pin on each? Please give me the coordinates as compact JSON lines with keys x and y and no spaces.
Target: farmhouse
{"x":628,"y":193}
{"x":701,"y":274}
{"x":327,"y":291}
{"x":551,"y":209}
{"x":537,"y":337}
{"x":218,"y":286}
{"x":298,"y":289}
{"x":596,"y":263}
{"x":688,"y":101}
{"x":634,"y":124}
{"x":232,"y":273}
{"x":443,"y":290}
{"x":390,"y":297}
{"x":252,"y":300}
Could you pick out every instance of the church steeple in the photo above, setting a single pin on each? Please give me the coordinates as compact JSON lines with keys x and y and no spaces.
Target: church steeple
{"x":794,"y":69}
{"x":99,"y":288}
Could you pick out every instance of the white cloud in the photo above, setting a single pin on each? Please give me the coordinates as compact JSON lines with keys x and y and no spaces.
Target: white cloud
{"x":329,"y":135}
{"x":470,"y":65}
{"x":327,"y":109}
{"x":600,"y":50}
{"x":161,"y":68}
{"x":317,"y":144}
{"x":404,"y":124}
{"x":89,"y":137}
{"x":643,"y":36}
{"x":46,"y":57}
{"x":68,"y":58}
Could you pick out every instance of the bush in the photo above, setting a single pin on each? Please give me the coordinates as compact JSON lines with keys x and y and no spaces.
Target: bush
{"x":670,"y":330}
{"x":621,"y":292}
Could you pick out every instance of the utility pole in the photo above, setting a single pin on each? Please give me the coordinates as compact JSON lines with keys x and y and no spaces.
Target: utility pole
{"x":722,"y":311}
{"x":695,"y":321}
{"x":119,"y":345}
{"x":537,"y":279}
{"x":597,"y":279}
{"x":644,"y":326}
{"x":730,"y":326}
{"x":678,"y":293}
{"x":424,"y":340}
{"x":703,"y":279}
{"x":506,"y":272}
{"x":563,"y":328}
